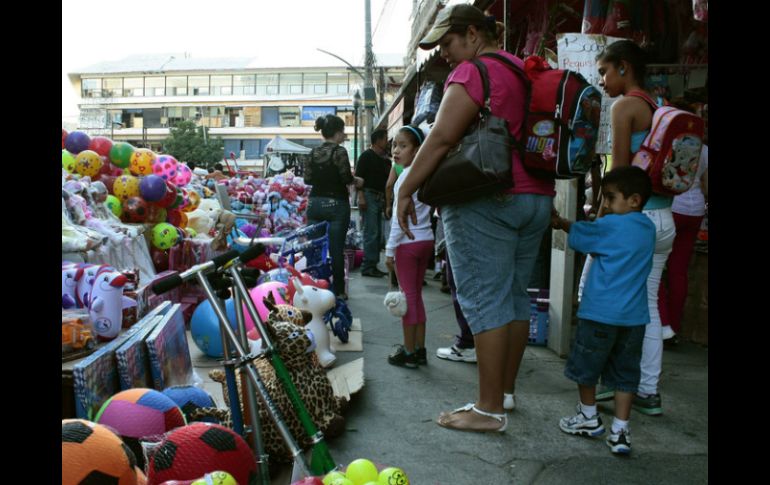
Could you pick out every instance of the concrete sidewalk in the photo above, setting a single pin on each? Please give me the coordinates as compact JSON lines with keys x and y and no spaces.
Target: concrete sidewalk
{"x":391,"y":421}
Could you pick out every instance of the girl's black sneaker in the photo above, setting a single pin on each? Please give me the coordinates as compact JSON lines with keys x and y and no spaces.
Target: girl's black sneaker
{"x":422,"y":356}
{"x":400,"y":358}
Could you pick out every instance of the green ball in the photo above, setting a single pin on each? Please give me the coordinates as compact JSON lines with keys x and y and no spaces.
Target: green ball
{"x":393,"y":476}
{"x":67,"y":161}
{"x":120,"y":154}
{"x":341,"y":481}
{"x":113,"y":204}
{"x":361,"y":471}
{"x":331,"y":476}
{"x":191,"y":232}
{"x":164,"y":236}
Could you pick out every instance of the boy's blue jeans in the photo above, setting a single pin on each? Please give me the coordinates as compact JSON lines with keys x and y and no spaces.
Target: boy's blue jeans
{"x":373,"y":216}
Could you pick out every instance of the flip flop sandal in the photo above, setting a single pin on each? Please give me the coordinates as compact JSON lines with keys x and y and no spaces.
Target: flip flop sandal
{"x":502,"y":418}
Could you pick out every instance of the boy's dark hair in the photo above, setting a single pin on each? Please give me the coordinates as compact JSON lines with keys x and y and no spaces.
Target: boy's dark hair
{"x":210,"y":170}
{"x":191,"y":165}
{"x":329,"y":125}
{"x":629,"y":51}
{"x":378,"y":135}
{"x":630,"y":180}
{"x":218,"y":166}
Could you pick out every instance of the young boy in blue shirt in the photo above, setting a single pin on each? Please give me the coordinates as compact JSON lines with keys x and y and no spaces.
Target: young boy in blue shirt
{"x":613,"y":312}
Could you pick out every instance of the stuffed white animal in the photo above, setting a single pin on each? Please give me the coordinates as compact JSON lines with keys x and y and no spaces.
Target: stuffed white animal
{"x":395,"y":302}
{"x":107,"y":303}
{"x":317,"y":301}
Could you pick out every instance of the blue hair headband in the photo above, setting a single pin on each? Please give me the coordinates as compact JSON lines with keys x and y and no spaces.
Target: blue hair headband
{"x":416,"y":133}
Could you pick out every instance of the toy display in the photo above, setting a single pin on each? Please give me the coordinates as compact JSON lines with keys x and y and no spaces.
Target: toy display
{"x":190,"y":452}
{"x":91,"y":453}
{"x":364,"y":472}
{"x":317,"y":301}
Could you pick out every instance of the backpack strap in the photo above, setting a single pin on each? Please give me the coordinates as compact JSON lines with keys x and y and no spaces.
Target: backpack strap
{"x":644,"y":96}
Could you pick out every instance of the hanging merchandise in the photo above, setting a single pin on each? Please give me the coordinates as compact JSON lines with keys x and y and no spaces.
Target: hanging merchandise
{"x":427,"y":103}
{"x":618,"y":21}
{"x":594,"y":13}
{"x":700,"y":10}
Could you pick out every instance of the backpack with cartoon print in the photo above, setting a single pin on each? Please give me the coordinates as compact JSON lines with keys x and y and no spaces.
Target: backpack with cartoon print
{"x":671,"y":151}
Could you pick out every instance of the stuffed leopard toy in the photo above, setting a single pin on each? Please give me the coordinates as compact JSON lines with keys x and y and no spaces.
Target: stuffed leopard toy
{"x":285,"y":325}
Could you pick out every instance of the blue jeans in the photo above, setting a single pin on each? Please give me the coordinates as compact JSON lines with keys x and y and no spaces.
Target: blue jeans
{"x":373,"y":216}
{"x":493,"y":242}
{"x":337,"y":213}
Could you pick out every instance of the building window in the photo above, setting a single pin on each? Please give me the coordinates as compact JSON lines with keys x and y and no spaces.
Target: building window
{"x":133,"y":86}
{"x":199,"y":85}
{"x":155,"y":86}
{"x":338,"y":83}
{"x":112,"y":87}
{"x":221,"y":85}
{"x":267,"y":84}
{"x":244,"y":84}
{"x":291,"y":83}
{"x":176,"y":85}
{"x":92,"y":88}
{"x":288,"y":116}
{"x":314,"y":83}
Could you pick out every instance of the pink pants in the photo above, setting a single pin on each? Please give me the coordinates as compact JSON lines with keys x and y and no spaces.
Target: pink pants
{"x":671,"y":296}
{"x":411,"y":263}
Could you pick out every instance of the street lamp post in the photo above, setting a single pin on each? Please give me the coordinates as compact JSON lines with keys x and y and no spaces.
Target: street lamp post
{"x":356,"y":107}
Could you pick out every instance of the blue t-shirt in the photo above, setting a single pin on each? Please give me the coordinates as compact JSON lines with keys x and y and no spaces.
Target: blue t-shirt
{"x":615,"y":291}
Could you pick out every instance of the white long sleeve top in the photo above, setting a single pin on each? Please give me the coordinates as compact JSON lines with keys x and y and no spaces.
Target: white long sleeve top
{"x":422,"y":231}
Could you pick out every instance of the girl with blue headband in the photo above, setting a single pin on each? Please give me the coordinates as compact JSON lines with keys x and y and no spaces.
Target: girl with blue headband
{"x":411,"y":257}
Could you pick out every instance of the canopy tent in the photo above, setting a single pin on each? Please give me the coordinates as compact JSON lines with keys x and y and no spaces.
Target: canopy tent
{"x":282,"y":145}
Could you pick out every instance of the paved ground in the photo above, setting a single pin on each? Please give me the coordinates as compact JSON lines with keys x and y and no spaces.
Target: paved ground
{"x":391,"y":421}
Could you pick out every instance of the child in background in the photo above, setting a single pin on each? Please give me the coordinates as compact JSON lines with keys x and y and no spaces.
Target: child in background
{"x":613,"y":313}
{"x":411,"y":257}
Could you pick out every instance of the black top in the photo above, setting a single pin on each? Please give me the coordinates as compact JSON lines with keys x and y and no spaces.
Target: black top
{"x":328,"y":171}
{"x":374,"y":169}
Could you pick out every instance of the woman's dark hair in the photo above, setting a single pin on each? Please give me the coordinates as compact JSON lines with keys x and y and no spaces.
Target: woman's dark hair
{"x":329,"y":125}
{"x":415,"y":134}
{"x":626,"y":50}
{"x":488,"y":29}
{"x":629,"y":180}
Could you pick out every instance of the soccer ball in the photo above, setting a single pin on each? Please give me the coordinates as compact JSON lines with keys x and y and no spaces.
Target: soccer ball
{"x":192,"y":451}
{"x":91,"y":453}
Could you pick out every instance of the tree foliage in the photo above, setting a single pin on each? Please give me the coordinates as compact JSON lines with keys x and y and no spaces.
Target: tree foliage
{"x":187,"y":143}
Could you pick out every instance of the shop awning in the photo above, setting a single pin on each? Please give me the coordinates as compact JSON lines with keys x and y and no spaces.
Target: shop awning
{"x":282,"y":145}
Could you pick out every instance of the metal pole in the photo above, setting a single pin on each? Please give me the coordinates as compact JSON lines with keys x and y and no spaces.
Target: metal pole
{"x":251,"y":397}
{"x":368,"y":84}
{"x":272,"y":410}
{"x":355,"y":136}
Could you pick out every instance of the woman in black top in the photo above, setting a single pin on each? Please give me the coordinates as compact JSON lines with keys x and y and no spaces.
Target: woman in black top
{"x":328,"y":171}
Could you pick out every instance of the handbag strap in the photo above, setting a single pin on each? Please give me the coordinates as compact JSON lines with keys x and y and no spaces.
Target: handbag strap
{"x":486,"y":109}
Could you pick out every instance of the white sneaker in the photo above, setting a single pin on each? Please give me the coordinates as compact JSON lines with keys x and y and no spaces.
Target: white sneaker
{"x":668,"y":332}
{"x":509,"y":401}
{"x":456,"y":354}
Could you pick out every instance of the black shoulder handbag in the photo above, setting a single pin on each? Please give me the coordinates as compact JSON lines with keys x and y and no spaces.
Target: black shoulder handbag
{"x":480,"y":164}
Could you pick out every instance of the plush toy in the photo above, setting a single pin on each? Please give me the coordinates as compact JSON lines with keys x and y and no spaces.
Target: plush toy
{"x":85,"y":279}
{"x":69,"y":287}
{"x":107,"y":303}
{"x":318,"y":301}
{"x":295,"y":346}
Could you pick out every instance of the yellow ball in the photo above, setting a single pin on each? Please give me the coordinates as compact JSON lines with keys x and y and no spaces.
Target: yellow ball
{"x":341,"y":481}
{"x":361,"y":471}
{"x":88,"y":163}
{"x":141,"y":161}
{"x":331,"y":476}
{"x":393,"y":476}
{"x":216,"y":478}
{"x":126,"y":186}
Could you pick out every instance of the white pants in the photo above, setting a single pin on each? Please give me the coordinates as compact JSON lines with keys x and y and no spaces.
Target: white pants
{"x":652,"y":348}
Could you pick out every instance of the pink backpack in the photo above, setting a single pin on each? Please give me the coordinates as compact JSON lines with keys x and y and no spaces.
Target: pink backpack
{"x":671,"y":151}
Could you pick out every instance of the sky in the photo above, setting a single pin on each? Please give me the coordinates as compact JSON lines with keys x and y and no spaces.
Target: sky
{"x":224,"y":28}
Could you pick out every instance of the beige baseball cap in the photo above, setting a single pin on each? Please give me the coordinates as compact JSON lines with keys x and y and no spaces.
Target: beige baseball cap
{"x":456,"y":15}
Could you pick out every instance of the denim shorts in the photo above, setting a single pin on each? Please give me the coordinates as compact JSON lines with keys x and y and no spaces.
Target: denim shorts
{"x":493,"y":243}
{"x":610,"y":351}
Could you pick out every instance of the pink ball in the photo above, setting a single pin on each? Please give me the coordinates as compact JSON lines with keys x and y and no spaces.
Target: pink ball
{"x":167,"y":167}
{"x":183,"y":175}
{"x":259,"y":292}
